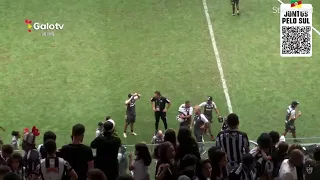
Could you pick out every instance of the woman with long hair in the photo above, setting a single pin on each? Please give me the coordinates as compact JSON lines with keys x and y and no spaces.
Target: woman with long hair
{"x":140,"y":165}
{"x":218,"y":160}
{"x":187,"y":144}
{"x":165,"y":169}
{"x":170,"y":136}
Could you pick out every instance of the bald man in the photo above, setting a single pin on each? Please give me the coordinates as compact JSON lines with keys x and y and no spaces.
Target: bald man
{"x":288,"y":169}
{"x":157,"y":139}
{"x":201,"y":123}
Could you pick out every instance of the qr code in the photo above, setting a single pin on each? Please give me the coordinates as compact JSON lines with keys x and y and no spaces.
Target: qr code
{"x":296,"y":39}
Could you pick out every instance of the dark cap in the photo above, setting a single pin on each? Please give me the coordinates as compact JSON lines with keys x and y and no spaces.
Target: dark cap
{"x":209,"y":98}
{"x":294,"y":103}
{"x":129,"y":95}
{"x":100,"y":124}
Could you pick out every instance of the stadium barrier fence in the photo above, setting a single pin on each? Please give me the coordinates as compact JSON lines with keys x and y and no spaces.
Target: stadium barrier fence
{"x":308,"y":145}
{"x":305,"y":142}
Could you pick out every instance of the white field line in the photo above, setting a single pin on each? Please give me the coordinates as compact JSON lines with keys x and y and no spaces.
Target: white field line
{"x":216,"y":53}
{"x":318,"y":32}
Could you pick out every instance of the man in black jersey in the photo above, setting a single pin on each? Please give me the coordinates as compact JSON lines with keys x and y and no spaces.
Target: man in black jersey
{"x":160,"y":109}
{"x":235,"y":4}
{"x":208,"y":107}
{"x":235,"y":143}
{"x":130,"y":113}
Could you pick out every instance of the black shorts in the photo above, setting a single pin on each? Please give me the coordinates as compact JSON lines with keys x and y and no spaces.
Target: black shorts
{"x":130,"y":118}
{"x":290,"y":127}
{"x":234,"y":2}
{"x":209,"y":118}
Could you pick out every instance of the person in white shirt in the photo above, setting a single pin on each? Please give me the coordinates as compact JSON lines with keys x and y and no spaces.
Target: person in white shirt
{"x":185,"y":114}
{"x":291,"y":117}
{"x":288,"y":169}
{"x":139,"y":166}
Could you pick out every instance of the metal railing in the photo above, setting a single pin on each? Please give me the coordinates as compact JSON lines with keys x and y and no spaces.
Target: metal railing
{"x":304,"y":142}
{"x":308,"y":143}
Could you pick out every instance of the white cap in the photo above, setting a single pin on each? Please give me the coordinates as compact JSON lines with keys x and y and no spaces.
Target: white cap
{"x":113,"y":123}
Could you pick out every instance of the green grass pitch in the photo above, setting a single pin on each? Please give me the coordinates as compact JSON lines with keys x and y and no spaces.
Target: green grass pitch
{"x":112,"y":47}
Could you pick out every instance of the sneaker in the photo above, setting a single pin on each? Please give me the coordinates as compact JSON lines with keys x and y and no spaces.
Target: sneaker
{"x":233,"y":14}
{"x":125,"y":135}
{"x":238,"y":13}
{"x":133,"y":133}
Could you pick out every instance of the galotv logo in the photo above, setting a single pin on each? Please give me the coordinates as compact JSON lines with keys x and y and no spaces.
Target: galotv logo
{"x":43,"y":26}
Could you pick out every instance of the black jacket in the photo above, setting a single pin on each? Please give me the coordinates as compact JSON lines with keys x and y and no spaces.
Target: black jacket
{"x":107,"y":148}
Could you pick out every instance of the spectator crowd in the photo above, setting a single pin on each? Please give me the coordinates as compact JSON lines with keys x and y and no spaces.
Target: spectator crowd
{"x":176,"y":156}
